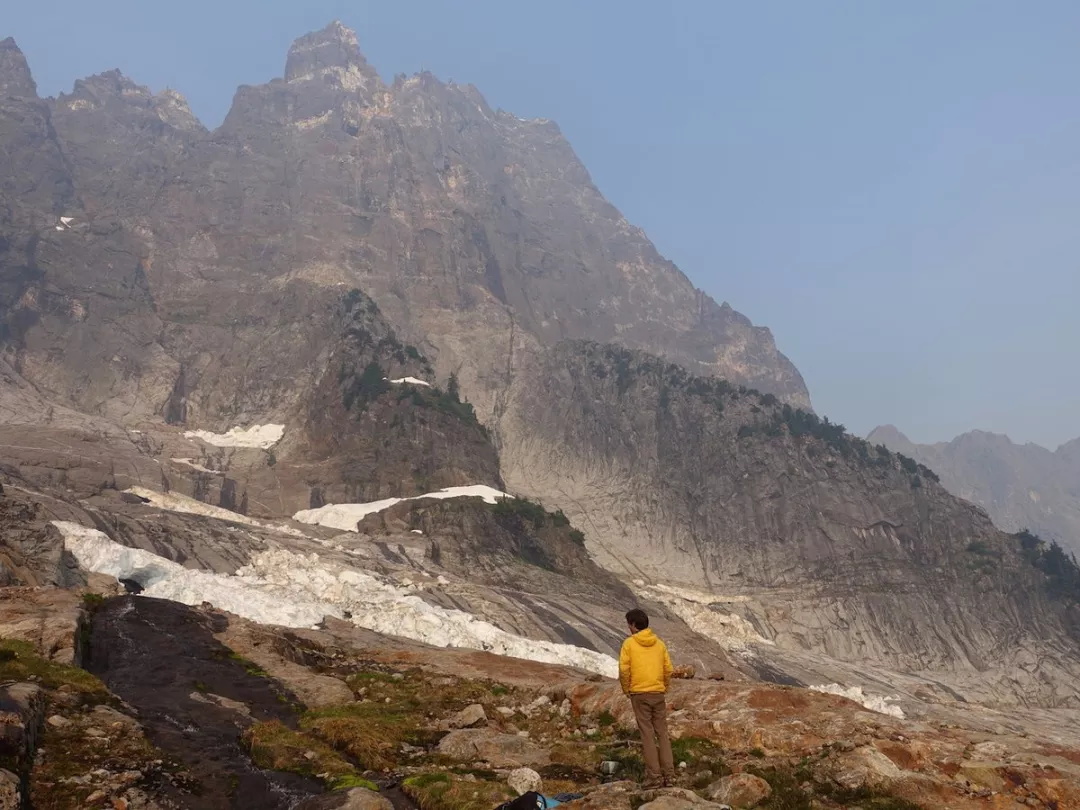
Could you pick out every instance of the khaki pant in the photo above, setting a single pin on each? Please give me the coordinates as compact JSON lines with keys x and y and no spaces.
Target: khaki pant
{"x":650,"y":711}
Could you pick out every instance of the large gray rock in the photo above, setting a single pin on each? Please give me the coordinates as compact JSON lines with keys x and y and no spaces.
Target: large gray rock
{"x":742,"y":790}
{"x":10,"y":791}
{"x":865,"y":766}
{"x":22,"y":717}
{"x":352,"y":799}
{"x":497,"y":749}
{"x":469,"y":717}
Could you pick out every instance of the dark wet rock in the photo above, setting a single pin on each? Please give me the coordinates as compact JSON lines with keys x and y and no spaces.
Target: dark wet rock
{"x":163,"y":660}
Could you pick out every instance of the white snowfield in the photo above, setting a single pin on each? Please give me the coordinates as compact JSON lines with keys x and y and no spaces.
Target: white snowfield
{"x":261,"y":436}
{"x":411,"y":381}
{"x":875,"y":703}
{"x":182,"y":503}
{"x":279,"y":587}
{"x":345,"y":516}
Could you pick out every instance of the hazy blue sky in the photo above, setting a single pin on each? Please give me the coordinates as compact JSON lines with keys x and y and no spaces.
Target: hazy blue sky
{"x":892,"y":188}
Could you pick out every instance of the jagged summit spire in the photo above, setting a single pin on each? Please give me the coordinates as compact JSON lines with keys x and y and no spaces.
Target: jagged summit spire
{"x":15,"y":77}
{"x":334,"y":48}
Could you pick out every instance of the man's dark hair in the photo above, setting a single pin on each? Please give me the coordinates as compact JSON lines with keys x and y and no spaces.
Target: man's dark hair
{"x":639,"y":618}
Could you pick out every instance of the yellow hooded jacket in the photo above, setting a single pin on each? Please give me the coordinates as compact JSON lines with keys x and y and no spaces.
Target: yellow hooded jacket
{"x":644,"y":664}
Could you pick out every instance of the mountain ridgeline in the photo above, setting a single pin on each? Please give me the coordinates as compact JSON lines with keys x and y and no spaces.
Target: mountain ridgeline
{"x":1020,"y":486}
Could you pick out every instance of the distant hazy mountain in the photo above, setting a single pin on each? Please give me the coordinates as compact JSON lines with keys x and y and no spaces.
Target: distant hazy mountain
{"x":1021,"y":486}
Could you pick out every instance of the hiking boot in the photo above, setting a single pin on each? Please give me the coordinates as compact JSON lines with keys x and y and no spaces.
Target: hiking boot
{"x":653,"y":783}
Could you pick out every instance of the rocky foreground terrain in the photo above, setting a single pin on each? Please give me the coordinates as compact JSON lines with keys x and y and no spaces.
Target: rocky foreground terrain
{"x":335,"y":443}
{"x":195,"y":708}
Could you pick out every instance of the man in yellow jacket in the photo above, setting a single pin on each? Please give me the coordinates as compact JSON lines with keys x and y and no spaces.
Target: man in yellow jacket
{"x":645,"y":672}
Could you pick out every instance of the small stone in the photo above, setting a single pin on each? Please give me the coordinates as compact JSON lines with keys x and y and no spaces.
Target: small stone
{"x":522,"y":780}
{"x":95,"y":732}
{"x":505,"y":711}
{"x":96,"y":796}
{"x":397,"y":676}
{"x":469,"y":717}
{"x":57,"y":721}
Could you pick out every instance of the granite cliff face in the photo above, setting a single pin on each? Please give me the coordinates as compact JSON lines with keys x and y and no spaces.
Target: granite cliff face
{"x":477,"y":234}
{"x":817,"y":539}
{"x":421,"y":292}
{"x":1019,"y":486}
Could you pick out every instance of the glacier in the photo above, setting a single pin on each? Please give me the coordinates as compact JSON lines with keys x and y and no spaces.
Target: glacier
{"x":296,"y":590}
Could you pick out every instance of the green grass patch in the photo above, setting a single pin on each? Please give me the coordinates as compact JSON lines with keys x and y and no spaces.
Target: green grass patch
{"x":444,"y":791}
{"x":698,"y":752}
{"x":349,"y":781}
{"x":787,"y":793}
{"x":865,"y":797}
{"x":19,"y":661}
{"x":274,"y":746}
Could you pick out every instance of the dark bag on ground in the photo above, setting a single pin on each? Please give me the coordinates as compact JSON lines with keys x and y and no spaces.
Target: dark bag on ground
{"x":526,"y":801}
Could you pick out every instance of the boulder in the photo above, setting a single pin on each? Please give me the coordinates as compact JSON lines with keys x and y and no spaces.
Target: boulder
{"x":865,"y":766}
{"x":22,"y":716}
{"x":740,"y":790}
{"x":522,"y":780}
{"x":498,"y":750}
{"x":469,"y":717}
{"x":354,"y":799}
{"x":678,"y":801}
{"x":10,"y":791}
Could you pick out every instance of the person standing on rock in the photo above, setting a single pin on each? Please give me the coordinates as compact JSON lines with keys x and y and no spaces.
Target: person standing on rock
{"x":645,"y":672}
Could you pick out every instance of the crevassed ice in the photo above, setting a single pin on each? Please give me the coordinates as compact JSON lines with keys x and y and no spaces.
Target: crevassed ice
{"x":293,"y":590}
{"x":875,"y":703}
{"x":345,"y":516}
{"x":166,"y":579}
{"x":261,"y":436}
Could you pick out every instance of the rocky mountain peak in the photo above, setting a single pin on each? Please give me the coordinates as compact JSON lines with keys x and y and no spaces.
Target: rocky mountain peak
{"x":15,"y":78}
{"x":333,"y":52}
{"x":173,"y":109}
{"x":888,"y":435}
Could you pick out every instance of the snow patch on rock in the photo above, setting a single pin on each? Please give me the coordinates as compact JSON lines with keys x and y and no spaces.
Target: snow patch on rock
{"x":181,"y":503}
{"x":294,"y":590}
{"x":261,"y":436}
{"x":345,"y":516}
{"x":875,"y":703}
{"x":187,"y":462}
{"x":411,"y":381}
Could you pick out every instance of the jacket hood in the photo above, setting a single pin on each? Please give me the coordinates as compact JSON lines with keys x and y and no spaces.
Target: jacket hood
{"x":646,"y":637}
